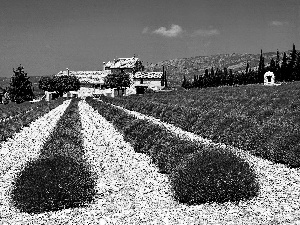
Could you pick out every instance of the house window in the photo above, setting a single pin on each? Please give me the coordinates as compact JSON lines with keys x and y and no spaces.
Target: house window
{"x":269,"y":78}
{"x":141,"y":80}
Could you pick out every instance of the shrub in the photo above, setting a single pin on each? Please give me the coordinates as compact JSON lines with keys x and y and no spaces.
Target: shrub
{"x":213,"y":175}
{"x":51,"y":184}
{"x":60,"y":178}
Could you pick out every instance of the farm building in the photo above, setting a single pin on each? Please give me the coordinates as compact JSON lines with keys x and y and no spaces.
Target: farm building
{"x":141,"y":80}
{"x":269,"y":79}
{"x":152,"y":80}
{"x":92,"y":82}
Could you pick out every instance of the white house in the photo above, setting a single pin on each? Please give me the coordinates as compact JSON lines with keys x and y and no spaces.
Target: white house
{"x":152,"y":80}
{"x":92,"y":82}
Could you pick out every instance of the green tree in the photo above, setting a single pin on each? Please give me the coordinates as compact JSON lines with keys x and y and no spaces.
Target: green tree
{"x":20,"y":89}
{"x":292,"y":64}
{"x":60,"y":84}
{"x":277,"y":72}
{"x":225,"y":78}
{"x":230,"y":77}
{"x":165,"y":79}
{"x":45,"y":84}
{"x":195,"y":82}
{"x":297,"y":67}
{"x":272,"y":66}
{"x":119,"y":80}
{"x":206,"y":78}
{"x":247,"y":68}
{"x":186,"y":84}
{"x":261,"y":68}
{"x":284,"y":68}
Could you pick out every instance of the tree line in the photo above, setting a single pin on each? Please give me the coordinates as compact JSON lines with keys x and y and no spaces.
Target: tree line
{"x":285,"y":70}
{"x":20,"y":88}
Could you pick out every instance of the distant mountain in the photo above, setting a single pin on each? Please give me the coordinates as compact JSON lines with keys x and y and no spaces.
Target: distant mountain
{"x":176,"y":68}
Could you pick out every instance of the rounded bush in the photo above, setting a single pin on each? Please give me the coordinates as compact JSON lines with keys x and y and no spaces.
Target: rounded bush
{"x":52,"y":184}
{"x":213,"y":175}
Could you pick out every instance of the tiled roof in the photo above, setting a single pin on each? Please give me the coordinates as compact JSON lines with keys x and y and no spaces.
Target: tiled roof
{"x":91,"y":81}
{"x":122,"y":63}
{"x":92,"y":77}
{"x":148,"y":75}
{"x":84,"y":73}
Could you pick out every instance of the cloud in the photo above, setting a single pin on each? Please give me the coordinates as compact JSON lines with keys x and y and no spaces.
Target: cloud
{"x":174,"y":31}
{"x":145,"y":30}
{"x":278,"y":23}
{"x":206,"y":33}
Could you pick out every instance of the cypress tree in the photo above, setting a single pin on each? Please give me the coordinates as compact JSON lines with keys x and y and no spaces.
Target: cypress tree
{"x":225,"y":75}
{"x":261,"y":68}
{"x":284,"y":68}
{"x":230,"y":80}
{"x":206,"y":78}
{"x":277,"y":68}
{"x":297,"y":67}
{"x":211,"y":77}
{"x":292,"y":64}
{"x":166,"y":81}
{"x":272,"y":66}
{"x":212,"y":72}
{"x":195,"y":82}
{"x":247,"y":68}
{"x":186,"y":84}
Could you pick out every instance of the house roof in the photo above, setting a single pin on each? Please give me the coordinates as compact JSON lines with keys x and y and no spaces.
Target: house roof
{"x":269,"y":73}
{"x":92,"y":77}
{"x":91,"y":80}
{"x":96,"y":73}
{"x":149,"y":75}
{"x":122,"y":63}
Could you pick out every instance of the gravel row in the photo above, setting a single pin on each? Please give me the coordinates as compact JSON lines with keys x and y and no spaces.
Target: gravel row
{"x":19,"y":149}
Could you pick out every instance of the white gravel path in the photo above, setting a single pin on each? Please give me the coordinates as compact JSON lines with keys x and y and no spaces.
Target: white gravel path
{"x":16,"y":151}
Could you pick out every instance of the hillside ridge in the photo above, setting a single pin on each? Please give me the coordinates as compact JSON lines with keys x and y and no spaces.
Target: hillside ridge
{"x":177,"y":68}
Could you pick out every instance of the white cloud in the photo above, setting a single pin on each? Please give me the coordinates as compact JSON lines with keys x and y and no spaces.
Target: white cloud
{"x":174,"y":31}
{"x":145,"y":30}
{"x":206,"y":33}
{"x":278,"y":23}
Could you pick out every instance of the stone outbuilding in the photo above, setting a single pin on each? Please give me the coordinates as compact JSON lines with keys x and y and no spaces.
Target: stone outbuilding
{"x":269,"y":78}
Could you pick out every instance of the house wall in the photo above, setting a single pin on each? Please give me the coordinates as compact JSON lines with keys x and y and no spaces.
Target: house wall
{"x":151,"y":83}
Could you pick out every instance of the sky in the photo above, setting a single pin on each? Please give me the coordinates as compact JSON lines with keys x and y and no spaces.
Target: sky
{"x":47,"y":36}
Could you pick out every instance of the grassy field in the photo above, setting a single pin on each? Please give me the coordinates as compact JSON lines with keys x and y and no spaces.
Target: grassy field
{"x":263,"y":120}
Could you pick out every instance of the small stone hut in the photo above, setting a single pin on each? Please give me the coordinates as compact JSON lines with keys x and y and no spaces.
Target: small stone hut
{"x":269,"y":78}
